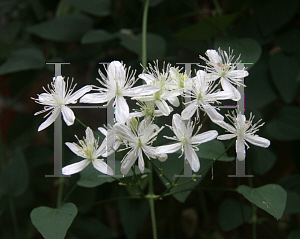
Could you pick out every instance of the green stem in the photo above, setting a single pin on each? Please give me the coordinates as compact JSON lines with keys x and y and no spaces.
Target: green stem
{"x":69,"y":193}
{"x":151,"y":198}
{"x":218,"y":8}
{"x":13,"y":215}
{"x":144,"y":33}
{"x":60,"y":191}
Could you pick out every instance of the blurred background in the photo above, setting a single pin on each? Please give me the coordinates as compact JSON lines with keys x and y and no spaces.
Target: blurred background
{"x":86,"y":33}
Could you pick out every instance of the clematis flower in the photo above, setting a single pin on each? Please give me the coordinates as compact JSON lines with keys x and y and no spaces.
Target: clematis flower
{"x":56,"y":98}
{"x":187,"y":143}
{"x":90,"y":151}
{"x":139,"y":137}
{"x":168,"y":89}
{"x":181,"y":79}
{"x":118,"y":84}
{"x":220,"y":65}
{"x":203,"y":93}
{"x":113,"y":140}
{"x":244,"y":131}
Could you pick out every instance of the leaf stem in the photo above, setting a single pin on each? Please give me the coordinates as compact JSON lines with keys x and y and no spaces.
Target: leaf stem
{"x":144,"y":33}
{"x":60,"y":191}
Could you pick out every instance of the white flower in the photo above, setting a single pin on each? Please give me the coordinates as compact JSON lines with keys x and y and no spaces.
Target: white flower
{"x":90,"y":151}
{"x":221,"y":66}
{"x":118,"y":84}
{"x":168,"y":89}
{"x":56,"y":100}
{"x":139,"y":138}
{"x":113,"y":140}
{"x":181,"y":79}
{"x":244,"y":131}
{"x":202,"y":91}
{"x":187,"y":142}
{"x":148,"y":110}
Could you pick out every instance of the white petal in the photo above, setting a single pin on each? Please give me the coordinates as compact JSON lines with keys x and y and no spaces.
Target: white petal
{"x":258,"y":141}
{"x":227,"y":86}
{"x":101,"y":166}
{"x":174,"y":101}
{"x":141,"y":162}
{"x":50,"y":119}
{"x":103,"y":131}
{"x":124,"y":132}
{"x":189,"y":110}
{"x":68,"y":115}
{"x":237,"y":74}
{"x":240,"y":149}
{"x":226,"y":126}
{"x":214,"y":56}
{"x":117,"y":144}
{"x":226,"y":136}
{"x":213,"y":114}
{"x":144,"y":98}
{"x":141,"y":90}
{"x":204,"y":137}
{"x":147,"y":77}
{"x":76,"y":95}
{"x":122,"y":109}
{"x":116,"y":72}
{"x":178,"y":126}
{"x":76,"y":149}
{"x":128,"y":161}
{"x":168,"y":149}
{"x":170,"y":93}
{"x":221,"y":95}
{"x":94,"y":98}
{"x":75,"y":167}
{"x":192,"y":158}
{"x":46,"y":99}
{"x":89,"y":136}
{"x":163,"y":107}
{"x":102,"y":148}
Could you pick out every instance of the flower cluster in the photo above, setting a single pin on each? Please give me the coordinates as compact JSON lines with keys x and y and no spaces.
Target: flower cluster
{"x":135,"y":129}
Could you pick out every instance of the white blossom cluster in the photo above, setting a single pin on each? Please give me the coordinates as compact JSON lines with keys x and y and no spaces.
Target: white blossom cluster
{"x":161,"y":92}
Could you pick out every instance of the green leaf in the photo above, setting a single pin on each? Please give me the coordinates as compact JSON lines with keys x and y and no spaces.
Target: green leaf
{"x":133,"y":213}
{"x":206,"y":28}
{"x":271,"y":198}
{"x":261,"y":159}
{"x":212,"y":150}
{"x":259,"y":91}
{"x":156,"y":45}
{"x":89,"y":176}
{"x":271,"y":15}
{"x":95,"y":7}
{"x":284,"y":71}
{"x":9,"y":32}
{"x":14,"y":176}
{"x":287,"y":124}
{"x":23,"y":59}
{"x":65,"y":28}
{"x":291,"y":183}
{"x":53,"y":223}
{"x":172,"y":167}
{"x":233,"y":214}
{"x":96,"y":36}
{"x":248,"y":48}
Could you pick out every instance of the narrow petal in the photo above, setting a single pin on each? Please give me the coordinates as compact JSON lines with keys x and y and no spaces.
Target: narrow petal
{"x":237,"y":74}
{"x":76,"y":149}
{"x":178,"y":126}
{"x":147,"y":77}
{"x":226,"y":126}
{"x":122,"y":109}
{"x":174,"y":101}
{"x":163,"y":107}
{"x":144,"y":98}
{"x":103,"y":131}
{"x":141,"y":162}
{"x":221,"y":95}
{"x":204,"y":137}
{"x":89,"y":136}
{"x":68,"y":115}
{"x":189,"y":110}
{"x":101,"y":166}
{"x":192,"y":158}
{"x":258,"y":141}
{"x":240,"y":149}
{"x":168,"y":149}
{"x":214,"y":56}
{"x":116,"y":72}
{"x":213,"y":114}
{"x":227,"y":86}
{"x":141,"y":90}
{"x":76,"y":95}
{"x":50,"y":119}
{"x":94,"y":98}
{"x":128,"y":161}
{"x":124,"y":132}
{"x":75,"y":167}
{"x":226,"y":136}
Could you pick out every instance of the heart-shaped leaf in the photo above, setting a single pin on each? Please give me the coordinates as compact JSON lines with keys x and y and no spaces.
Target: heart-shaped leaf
{"x":271,"y":198}
{"x":53,"y":223}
